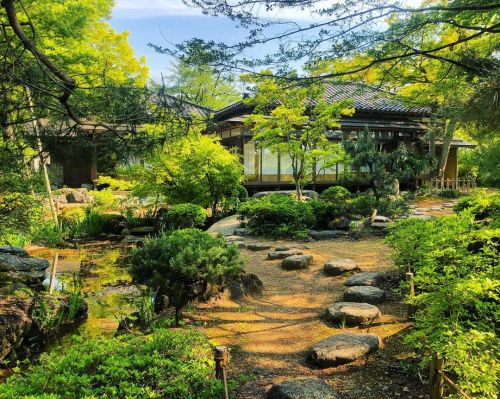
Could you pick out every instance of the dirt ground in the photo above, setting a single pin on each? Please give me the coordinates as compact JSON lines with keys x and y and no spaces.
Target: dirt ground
{"x":269,"y":336}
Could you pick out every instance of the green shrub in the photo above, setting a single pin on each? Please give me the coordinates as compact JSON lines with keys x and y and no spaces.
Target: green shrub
{"x":47,"y":233}
{"x":104,"y":200}
{"x":91,"y":224}
{"x":181,"y":264}
{"x":165,"y":364}
{"x":335,"y":194}
{"x":116,"y":184}
{"x":184,"y":216}
{"x":326,"y":211}
{"x":454,"y":261}
{"x":364,"y":204}
{"x":278,"y":216}
{"x":481,"y":203}
{"x":393,"y":205}
{"x":449,"y":193}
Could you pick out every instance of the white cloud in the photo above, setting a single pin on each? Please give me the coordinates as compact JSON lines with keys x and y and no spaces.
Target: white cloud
{"x":155,"y":8}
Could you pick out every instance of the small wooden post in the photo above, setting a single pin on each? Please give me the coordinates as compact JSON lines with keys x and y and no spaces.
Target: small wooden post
{"x":436,"y":377}
{"x":411,"y":294}
{"x":221,"y":357}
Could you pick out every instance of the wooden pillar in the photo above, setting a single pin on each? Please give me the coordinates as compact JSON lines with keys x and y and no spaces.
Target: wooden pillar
{"x":436,"y":377}
{"x":221,"y":357}
{"x":411,"y":294}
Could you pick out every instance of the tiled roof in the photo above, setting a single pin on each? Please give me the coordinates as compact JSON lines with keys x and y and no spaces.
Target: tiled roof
{"x":367,"y":98}
{"x":364,"y":98}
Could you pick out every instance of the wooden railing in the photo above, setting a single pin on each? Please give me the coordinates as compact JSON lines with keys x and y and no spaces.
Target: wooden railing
{"x":438,"y":380}
{"x":456,"y":184}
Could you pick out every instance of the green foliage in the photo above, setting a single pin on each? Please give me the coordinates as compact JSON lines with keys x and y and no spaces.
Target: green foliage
{"x":46,"y":232}
{"x":385,"y":169}
{"x":165,"y":364}
{"x":184,"y":216}
{"x":454,"y":261}
{"x":278,"y":216}
{"x":181,"y":264}
{"x":196,"y":169}
{"x":115,"y":184}
{"x":393,"y":205}
{"x":364,"y":204}
{"x":293,"y":120}
{"x":104,"y":200}
{"x":335,"y":194}
{"x":482,"y":204}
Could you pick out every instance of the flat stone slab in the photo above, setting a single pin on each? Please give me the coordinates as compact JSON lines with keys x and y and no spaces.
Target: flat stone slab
{"x":258,"y":246}
{"x":11,"y":250}
{"x":242,"y":232}
{"x":304,"y":388}
{"x":363,"y":293}
{"x":273,"y":255}
{"x":336,"y":267}
{"x":142,"y":230}
{"x":380,"y":225}
{"x":13,"y":263}
{"x":382,"y":219}
{"x":132,"y":240}
{"x":365,"y":278}
{"x":231,"y":238}
{"x":280,"y":249}
{"x":351,"y":313}
{"x":326,"y":234}
{"x":296,"y":262}
{"x":343,"y":348}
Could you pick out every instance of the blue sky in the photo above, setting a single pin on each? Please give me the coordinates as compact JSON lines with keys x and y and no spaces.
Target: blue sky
{"x":164,"y":21}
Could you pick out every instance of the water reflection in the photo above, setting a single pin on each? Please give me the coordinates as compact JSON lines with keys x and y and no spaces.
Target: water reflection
{"x":105,"y":282}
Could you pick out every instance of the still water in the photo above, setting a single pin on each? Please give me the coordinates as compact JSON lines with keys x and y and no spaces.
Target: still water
{"x":105,"y":283}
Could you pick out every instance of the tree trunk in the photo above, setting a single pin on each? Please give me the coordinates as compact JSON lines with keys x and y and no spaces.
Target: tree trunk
{"x":34,"y":123}
{"x":445,"y":149}
{"x":178,"y":317}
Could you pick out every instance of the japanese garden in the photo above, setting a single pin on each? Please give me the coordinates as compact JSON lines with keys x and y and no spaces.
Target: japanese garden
{"x":267,"y":199}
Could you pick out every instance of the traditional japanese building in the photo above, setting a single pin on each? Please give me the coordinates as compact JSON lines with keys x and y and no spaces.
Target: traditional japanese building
{"x":382,"y":113}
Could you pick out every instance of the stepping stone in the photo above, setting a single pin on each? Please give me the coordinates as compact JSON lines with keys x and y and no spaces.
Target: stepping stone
{"x":365,"y":278}
{"x":240,"y":244}
{"x":366,"y":294}
{"x":382,"y":219}
{"x":273,"y":255}
{"x":133,"y":240}
{"x":142,"y":230}
{"x":352,"y":313}
{"x":258,"y":246}
{"x":326,"y":234}
{"x":242,"y":231}
{"x":280,"y":249}
{"x":304,"y":388}
{"x":436,"y":208}
{"x":296,"y":262}
{"x":232,"y":238}
{"x":449,"y":204}
{"x":343,"y":348}
{"x":336,"y":267}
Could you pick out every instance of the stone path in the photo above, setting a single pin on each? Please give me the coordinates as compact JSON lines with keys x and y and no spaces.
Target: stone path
{"x":271,"y":337}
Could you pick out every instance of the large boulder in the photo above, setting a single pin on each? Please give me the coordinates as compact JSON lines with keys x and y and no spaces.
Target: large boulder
{"x":296,"y":262}
{"x":352,"y":313}
{"x":274,"y":255}
{"x":366,"y":294}
{"x":365,"y":278}
{"x":8,"y":249}
{"x":15,"y":323}
{"x":78,"y":196}
{"x":245,"y":284}
{"x":304,"y":388}
{"x":336,"y":267}
{"x":20,"y":269}
{"x":343,"y":348}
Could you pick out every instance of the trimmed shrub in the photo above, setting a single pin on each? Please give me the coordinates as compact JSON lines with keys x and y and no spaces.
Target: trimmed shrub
{"x":184,"y":216}
{"x":278,"y":216}
{"x":364,"y":204}
{"x":393,"y":205}
{"x":181,"y":264}
{"x":326,"y":211}
{"x":335,"y":194}
{"x":164,"y":364}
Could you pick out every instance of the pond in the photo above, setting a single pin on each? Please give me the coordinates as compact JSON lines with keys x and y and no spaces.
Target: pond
{"x":105,"y":282}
